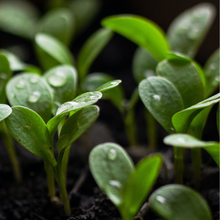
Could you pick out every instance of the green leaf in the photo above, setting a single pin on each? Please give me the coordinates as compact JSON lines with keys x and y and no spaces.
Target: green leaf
{"x":141,"y":31}
{"x":185,"y":77}
{"x":5,"y":111}
{"x":161,"y":99}
{"x":58,"y":23}
{"x":5,"y":75}
{"x":29,"y":130}
{"x":91,"y":49}
{"x":111,"y":168}
{"x":178,"y":202}
{"x":139,"y":185}
{"x":217,"y":119}
{"x":76,"y":125}
{"x":30,"y":90}
{"x":63,"y":81}
{"x":143,"y":65}
{"x":182,"y":119}
{"x":96,"y":81}
{"x":188,"y":30}
{"x":78,"y":103}
{"x":18,"y":18}
{"x":188,"y":141}
{"x":51,"y":52}
{"x":211,"y":70}
{"x":84,"y":12}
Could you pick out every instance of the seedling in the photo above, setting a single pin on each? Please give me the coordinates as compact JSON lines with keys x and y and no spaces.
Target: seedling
{"x":126,"y":186}
{"x":178,"y":202}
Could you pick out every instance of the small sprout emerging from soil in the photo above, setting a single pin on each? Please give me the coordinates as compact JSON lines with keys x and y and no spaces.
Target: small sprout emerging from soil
{"x":127,"y":186}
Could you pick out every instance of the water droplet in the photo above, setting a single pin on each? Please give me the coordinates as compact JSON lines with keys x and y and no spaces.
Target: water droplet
{"x":34,"y":97}
{"x":114,"y":83}
{"x":115,"y":183}
{"x":20,"y":85}
{"x":181,"y":140}
{"x":194,"y":33}
{"x":213,"y":66}
{"x":156,"y":97}
{"x":66,"y":106}
{"x":172,"y":129}
{"x":57,"y":80}
{"x":34,"y":80}
{"x":112,"y":154}
{"x":92,"y":97}
{"x":3,"y":76}
{"x":149,"y":73}
{"x":161,"y":199}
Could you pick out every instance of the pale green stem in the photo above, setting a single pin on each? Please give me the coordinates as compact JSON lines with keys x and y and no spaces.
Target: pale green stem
{"x":178,"y":163}
{"x":151,"y":130}
{"x":50,"y":179}
{"x":9,"y":144}
{"x":65,"y":161}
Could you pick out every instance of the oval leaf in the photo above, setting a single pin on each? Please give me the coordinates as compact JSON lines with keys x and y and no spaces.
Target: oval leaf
{"x":30,"y":90}
{"x":139,"y":185}
{"x":182,"y":119}
{"x":111,"y":168}
{"x":141,"y":31}
{"x":143,"y":65}
{"x":185,"y":77}
{"x":91,"y":49}
{"x":51,"y":52}
{"x":211,"y":71}
{"x":188,"y":30}
{"x":5,"y":111}
{"x":29,"y":130}
{"x":76,"y":125}
{"x":58,"y":23}
{"x":161,"y":99}
{"x":177,"y":202}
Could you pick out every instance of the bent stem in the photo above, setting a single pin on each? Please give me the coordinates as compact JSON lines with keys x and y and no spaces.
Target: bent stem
{"x":8,"y":142}
{"x":151,"y":130}
{"x":60,"y":178}
{"x":50,"y":180}
{"x":178,"y":163}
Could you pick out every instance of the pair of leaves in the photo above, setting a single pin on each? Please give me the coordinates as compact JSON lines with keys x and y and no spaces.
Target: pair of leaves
{"x":188,"y":141}
{"x":178,"y":202}
{"x":115,"y":174}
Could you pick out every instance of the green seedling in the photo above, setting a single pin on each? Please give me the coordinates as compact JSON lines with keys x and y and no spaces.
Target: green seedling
{"x":188,"y":141}
{"x":177,"y":202}
{"x":29,"y":129}
{"x":125,"y":185}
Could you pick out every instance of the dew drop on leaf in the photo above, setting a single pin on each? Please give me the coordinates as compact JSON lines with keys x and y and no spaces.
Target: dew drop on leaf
{"x":156,"y":97}
{"x":181,"y":140}
{"x":34,"y":97}
{"x":20,"y":85}
{"x":115,"y":183}
{"x":172,"y":129}
{"x":34,"y":80}
{"x":161,"y":199}
{"x":57,"y":80}
{"x":112,"y":154}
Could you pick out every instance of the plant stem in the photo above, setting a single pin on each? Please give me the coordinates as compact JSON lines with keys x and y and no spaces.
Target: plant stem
{"x":151,"y":130}
{"x":62,"y":183}
{"x":196,"y":162}
{"x":178,"y":163}
{"x":8,"y":142}
{"x":50,"y":179}
{"x":65,"y":161}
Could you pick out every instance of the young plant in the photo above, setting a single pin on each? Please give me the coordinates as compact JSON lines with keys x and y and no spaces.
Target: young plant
{"x":178,"y":202}
{"x":126,"y":186}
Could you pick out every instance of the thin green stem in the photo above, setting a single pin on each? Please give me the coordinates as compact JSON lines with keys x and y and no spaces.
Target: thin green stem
{"x":196,"y":162}
{"x":62,"y":183}
{"x":65,"y":161}
{"x":151,"y":130}
{"x":50,"y":179}
{"x":178,"y":164}
{"x":9,"y":144}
